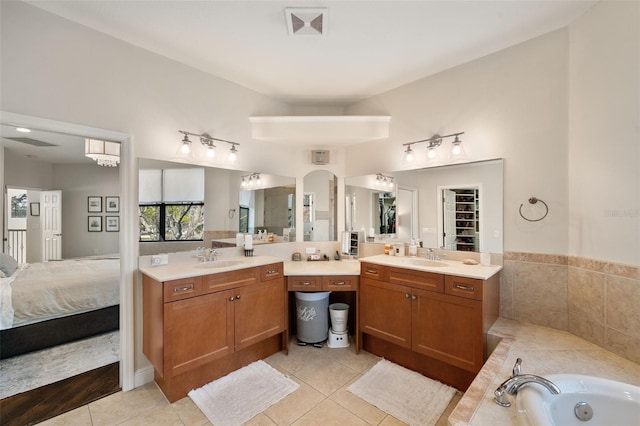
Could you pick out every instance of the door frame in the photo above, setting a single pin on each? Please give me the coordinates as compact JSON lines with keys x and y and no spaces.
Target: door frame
{"x":128,"y":238}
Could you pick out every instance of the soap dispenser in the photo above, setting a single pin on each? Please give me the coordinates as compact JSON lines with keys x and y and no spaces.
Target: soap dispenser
{"x":413,"y":249}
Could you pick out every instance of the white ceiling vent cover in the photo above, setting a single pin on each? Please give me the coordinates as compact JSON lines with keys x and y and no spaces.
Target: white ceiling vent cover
{"x":306,"y":21}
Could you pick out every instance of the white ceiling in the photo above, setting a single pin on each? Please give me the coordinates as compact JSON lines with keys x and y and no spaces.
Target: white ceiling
{"x":369,"y":46}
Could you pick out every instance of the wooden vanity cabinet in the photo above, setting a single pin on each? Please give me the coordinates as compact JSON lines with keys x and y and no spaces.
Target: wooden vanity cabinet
{"x":215,"y":318}
{"x":443,"y":318}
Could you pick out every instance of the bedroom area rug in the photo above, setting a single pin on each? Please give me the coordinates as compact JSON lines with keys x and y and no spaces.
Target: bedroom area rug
{"x":406,"y":395}
{"x":241,"y":395}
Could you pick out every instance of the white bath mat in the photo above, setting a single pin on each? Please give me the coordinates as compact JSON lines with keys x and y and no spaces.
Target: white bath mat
{"x":239,"y":396}
{"x":406,"y":395}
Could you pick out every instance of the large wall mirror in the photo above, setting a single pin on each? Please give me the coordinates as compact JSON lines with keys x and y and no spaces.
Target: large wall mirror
{"x":456,"y":207}
{"x":319,"y":208}
{"x":265,"y":203}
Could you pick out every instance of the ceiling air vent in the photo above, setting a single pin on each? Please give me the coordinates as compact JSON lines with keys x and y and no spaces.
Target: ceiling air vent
{"x":306,"y":21}
{"x":319,"y":157}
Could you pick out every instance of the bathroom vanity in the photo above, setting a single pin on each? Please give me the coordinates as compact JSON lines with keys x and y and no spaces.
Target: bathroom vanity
{"x":431,"y":322}
{"x":200,"y":322}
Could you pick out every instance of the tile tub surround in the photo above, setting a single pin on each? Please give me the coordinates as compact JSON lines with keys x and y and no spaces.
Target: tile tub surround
{"x":596,"y":300}
{"x":543,"y":351}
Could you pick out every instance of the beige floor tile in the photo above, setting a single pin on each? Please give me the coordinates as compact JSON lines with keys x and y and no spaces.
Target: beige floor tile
{"x":295,"y":405}
{"x":326,"y":377}
{"x":78,"y":417}
{"x":161,"y":416}
{"x":121,"y":406}
{"x":391,"y":421}
{"x":329,"y":413}
{"x":188,"y":412}
{"x":260,"y":420}
{"x":360,"y":363}
{"x":357,"y":406}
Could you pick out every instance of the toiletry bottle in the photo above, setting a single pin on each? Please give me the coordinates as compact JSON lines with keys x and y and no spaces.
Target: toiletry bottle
{"x":413,"y":249}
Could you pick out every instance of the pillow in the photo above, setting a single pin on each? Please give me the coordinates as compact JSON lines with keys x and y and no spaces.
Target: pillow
{"x":8,"y":264}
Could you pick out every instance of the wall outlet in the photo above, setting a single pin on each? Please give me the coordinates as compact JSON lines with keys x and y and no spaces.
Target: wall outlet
{"x":310,"y":250}
{"x":159,"y":259}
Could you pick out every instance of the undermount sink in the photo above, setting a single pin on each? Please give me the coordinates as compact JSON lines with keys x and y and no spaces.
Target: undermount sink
{"x":218,"y":264}
{"x":426,"y":262}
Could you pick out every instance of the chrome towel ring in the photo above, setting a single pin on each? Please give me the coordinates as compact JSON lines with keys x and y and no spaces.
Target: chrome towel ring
{"x":534,"y":200}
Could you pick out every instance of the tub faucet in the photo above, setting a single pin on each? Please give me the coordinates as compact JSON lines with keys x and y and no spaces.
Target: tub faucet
{"x":512,"y":385}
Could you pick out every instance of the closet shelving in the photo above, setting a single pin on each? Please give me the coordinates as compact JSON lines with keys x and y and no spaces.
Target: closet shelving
{"x":467,"y":220}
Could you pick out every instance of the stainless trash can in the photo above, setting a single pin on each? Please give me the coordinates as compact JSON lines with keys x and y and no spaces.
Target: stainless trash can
{"x":312,"y":315}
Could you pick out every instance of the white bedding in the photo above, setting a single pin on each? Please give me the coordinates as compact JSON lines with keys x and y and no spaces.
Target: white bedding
{"x":42,"y":291}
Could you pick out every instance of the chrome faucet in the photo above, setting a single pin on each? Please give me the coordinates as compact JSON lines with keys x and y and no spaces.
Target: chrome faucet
{"x":512,"y":385}
{"x":207,"y":254}
{"x":430,"y":255}
{"x":212,"y":255}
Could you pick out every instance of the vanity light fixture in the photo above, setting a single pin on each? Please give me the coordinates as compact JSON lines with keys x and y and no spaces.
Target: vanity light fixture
{"x":105,"y":153}
{"x":207,"y":142}
{"x":382,"y":180}
{"x":251,"y":180}
{"x":457,"y":150}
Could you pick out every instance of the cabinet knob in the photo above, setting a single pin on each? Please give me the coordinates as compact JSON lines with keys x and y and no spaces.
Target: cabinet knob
{"x":413,"y":297}
{"x":238,"y":297}
{"x":407,"y":295}
{"x":231,"y":299}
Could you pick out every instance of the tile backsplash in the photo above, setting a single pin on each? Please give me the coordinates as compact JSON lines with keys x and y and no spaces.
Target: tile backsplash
{"x":596,"y":300}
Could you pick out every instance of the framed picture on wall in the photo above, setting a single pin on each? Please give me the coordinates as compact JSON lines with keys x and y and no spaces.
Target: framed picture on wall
{"x":94,"y":204}
{"x":112,"y":223}
{"x":95,"y":224}
{"x":34,"y":209}
{"x":112,"y":204}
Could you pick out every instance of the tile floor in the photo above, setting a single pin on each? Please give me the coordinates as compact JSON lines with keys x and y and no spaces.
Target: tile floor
{"x":322,"y":399}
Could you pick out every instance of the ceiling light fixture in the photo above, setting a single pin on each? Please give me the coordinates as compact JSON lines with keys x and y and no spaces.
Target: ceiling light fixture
{"x":251,"y":180}
{"x":382,"y":180}
{"x":105,"y":153}
{"x":207,"y":141}
{"x":457,"y":150}
{"x":23,"y":130}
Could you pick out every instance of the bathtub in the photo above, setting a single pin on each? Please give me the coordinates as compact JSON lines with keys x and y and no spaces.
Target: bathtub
{"x":600,"y":402}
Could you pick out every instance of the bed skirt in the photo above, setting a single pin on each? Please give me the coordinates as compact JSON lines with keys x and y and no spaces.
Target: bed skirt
{"x":45,"y":334}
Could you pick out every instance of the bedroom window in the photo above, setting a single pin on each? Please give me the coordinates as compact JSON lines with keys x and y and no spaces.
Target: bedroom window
{"x":171,"y":206}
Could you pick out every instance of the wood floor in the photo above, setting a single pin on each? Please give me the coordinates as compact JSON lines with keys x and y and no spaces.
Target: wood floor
{"x":51,"y":400}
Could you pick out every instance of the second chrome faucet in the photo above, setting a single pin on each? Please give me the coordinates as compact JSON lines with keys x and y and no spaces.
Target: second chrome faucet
{"x":512,"y":385}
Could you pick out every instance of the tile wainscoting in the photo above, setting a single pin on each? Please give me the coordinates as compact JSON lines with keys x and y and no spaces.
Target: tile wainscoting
{"x":592,"y":299}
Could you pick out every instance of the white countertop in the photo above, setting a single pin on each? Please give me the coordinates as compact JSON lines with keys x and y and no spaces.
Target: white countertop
{"x":543,"y":351}
{"x":176,"y":271}
{"x":321,"y":267}
{"x":453,"y":267}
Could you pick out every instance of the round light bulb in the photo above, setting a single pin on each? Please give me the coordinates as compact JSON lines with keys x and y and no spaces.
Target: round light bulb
{"x":431,"y":153}
{"x":185,"y":148}
{"x":211,"y":152}
{"x":455,"y":150}
{"x":409,"y":155}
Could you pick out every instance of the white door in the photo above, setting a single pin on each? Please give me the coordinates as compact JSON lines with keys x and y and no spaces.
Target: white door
{"x":404,"y":214}
{"x":449,"y":237}
{"x":51,"y":214}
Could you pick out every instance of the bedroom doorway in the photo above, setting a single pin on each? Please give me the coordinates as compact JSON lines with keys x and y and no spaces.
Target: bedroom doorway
{"x":17,"y":212}
{"x":125,"y":247}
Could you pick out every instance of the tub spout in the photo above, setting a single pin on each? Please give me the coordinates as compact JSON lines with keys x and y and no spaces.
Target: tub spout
{"x":512,"y":385}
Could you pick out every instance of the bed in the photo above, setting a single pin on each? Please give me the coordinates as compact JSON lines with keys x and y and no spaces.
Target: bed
{"x":55,"y":302}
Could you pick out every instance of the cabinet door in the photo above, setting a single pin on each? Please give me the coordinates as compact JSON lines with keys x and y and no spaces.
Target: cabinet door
{"x":385,"y":311}
{"x":197,"y":331}
{"x":259,"y":312}
{"x":448,"y":328}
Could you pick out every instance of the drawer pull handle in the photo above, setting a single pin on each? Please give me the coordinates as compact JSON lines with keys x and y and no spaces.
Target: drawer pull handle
{"x":272,"y":271}
{"x":372,"y":271}
{"x":305,"y":283}
{"x":181,"y":289}
{"x":339,"y":283}
{"x":464,"y":287}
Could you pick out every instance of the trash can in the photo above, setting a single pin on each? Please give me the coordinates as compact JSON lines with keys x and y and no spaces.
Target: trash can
{"x":312,"y":314}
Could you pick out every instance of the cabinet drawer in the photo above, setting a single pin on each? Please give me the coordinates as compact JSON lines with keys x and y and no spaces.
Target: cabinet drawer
{"x":370,"y":270}
{"x":340,"y":283}
{"x":418,"y":279}
{"x":271,"y":272}
{"x":464,"y":287}
{"x":231,"y":279}
{"x":304,"y":283}
{"x":182,"y":289}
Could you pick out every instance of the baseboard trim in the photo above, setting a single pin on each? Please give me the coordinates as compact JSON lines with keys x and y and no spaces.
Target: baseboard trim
{"x":143,"y":376}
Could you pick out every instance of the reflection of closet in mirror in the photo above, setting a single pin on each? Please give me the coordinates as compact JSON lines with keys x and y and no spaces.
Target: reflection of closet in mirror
{"x":319,"y":208}
{"x":385,"y":208}
{"x":461,"y":220}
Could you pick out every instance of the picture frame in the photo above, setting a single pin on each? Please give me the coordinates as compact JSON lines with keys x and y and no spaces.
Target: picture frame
{"x":112,"y":204}
{"x":112,"y":223}
{"x":94,"y":224}
{"x":94,"y":204}
{"x":34,"y":209}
